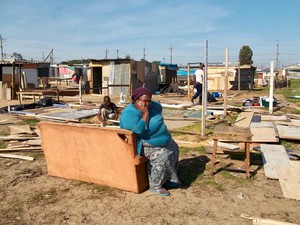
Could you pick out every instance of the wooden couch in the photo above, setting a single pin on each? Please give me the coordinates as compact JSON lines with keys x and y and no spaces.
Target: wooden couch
{"x":105,"y":156}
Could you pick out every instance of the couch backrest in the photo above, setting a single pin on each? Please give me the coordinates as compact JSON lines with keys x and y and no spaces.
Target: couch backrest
{"x":105,"y":156}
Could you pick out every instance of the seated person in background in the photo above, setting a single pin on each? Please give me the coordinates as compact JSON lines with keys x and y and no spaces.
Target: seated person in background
{"x":154,"y":141}
{"x":107,"y":110}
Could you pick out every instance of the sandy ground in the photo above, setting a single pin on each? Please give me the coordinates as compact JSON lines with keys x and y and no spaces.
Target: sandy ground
{"x":29,"y":196}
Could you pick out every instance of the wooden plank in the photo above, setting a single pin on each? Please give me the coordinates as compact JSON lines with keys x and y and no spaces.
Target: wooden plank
{"x":262,"y":124}
{"x":177,"y":106}
{"x":289,"y":179}
{"x":264,"y":134}
{"x":274,"y":118}
{"x":24,"y":148}
{"x":74,"y":116}
{"x":225,"y":145}
{"x":244,"y":119}
{"x":285,"y":132}
{"x":22,"y":129}
{"x":11,"y":156}
{"x":293,"y":122}
{"x":232,"y":134}
{"x":14,"y":137}
{"x":294,"y":116}
{"x":34,"y":142}
{"x":274,"y":157}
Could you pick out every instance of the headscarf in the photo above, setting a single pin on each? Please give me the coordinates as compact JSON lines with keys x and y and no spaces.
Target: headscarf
{"x":140,"y":91}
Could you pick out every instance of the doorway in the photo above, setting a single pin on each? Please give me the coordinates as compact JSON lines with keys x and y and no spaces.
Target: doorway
{"x":97,"y":80}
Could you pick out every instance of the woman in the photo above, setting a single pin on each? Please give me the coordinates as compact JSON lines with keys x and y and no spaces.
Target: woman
{"x":154,"y":141}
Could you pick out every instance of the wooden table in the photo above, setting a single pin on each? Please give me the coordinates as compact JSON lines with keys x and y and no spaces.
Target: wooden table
{"x":232,"y":134}
{"x":40,"y":93}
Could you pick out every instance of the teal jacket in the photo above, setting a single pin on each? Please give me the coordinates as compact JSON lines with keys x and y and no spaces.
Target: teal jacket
{"x":155,"y":133}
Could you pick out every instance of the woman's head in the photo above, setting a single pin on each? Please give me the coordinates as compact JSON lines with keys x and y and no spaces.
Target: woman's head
{"x":142,"y":96}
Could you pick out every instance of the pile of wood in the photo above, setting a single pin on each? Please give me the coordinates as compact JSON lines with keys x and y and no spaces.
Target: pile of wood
{"x":267,"y":132}
{"x":22,"y":138}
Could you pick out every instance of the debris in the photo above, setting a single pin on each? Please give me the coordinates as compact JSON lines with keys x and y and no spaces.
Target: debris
{"x":262,"y":221}
{"x":11,"y":156}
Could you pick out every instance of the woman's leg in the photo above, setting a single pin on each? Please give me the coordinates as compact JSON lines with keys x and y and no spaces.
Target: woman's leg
{"x":162,"y":164}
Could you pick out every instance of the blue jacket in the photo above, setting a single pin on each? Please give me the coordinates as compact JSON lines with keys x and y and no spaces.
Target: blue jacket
{"x":155,"y":133}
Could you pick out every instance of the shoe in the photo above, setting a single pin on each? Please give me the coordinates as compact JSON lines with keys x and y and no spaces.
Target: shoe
{"x":171,"y":184}
{"x":160,"y":191}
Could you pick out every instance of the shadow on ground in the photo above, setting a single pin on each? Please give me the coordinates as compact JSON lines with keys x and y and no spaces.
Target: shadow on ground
{"x":189,"y":169}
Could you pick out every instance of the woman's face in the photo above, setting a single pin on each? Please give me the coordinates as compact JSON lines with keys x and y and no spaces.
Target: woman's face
{"x":144,"y":101}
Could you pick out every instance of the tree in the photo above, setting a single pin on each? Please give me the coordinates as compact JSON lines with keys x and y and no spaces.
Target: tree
{"x":17,"y":55}
{"x":245,"y":56}
{"x":128,"y":57}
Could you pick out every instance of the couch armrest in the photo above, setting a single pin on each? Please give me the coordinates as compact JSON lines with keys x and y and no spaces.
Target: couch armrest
{"x":139,"y":160}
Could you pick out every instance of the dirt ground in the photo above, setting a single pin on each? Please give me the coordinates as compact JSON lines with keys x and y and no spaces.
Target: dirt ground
{"x":29,"y":196}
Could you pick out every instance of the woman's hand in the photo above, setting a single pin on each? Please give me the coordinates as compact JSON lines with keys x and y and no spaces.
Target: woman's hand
{"x":142,"y":107}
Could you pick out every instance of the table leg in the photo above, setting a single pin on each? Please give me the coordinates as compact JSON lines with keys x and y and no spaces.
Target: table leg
{"x":247,"y":160}
{"x":213,"y":157}
{"x":20,"y":98}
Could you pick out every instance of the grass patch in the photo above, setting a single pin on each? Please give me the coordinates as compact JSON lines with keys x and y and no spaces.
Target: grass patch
{"x":184,"y":151}
{"x":196,"y":127}
{"x":208,"y":181}
{"x":287,"y":92}
{"x":30,"y":122}
{"x":238,"y":180}
{"x":232,"y":117}
{"x":293,"y":145}
{"x":295,"y":83}
{"x":296,"y":111}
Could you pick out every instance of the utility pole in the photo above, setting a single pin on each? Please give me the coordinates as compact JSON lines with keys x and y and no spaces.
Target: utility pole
{"x":204,"y":90}
{"x":1,"y":47}
{"x":171,"y":49}
{"x":144,"y":54}
{"x":106,"y":53}
{"x":271,"y":87}
{"x":277,"y":56}
{"x":239,"y":76}
{"x":226,"y":81}
{"x":117,"y":53}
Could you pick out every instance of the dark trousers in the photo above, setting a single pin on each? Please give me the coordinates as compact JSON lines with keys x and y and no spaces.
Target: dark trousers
{"x":198,"y":87}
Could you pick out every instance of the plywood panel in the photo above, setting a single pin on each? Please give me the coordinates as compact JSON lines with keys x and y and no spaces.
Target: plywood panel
{"x":75,"y":115}
{"x":289,"y":178}
{"x":244,"y":119}
{"x":287,"y":132}
{"x":274,"y":157}
{"x":264,"y":134}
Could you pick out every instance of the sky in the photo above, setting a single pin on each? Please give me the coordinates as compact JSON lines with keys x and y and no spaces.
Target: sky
{"x":170,"y":31}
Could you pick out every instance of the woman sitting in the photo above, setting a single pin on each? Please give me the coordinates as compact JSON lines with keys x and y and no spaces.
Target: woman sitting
{"x":144,"y":117}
